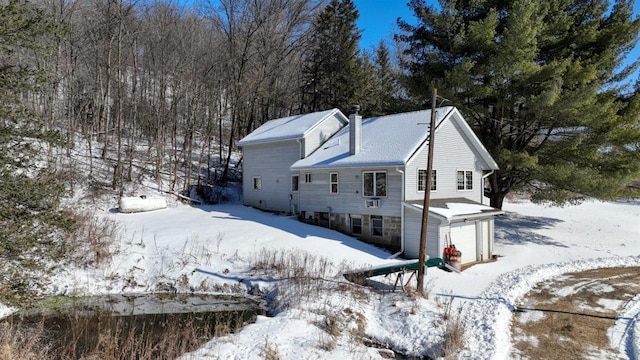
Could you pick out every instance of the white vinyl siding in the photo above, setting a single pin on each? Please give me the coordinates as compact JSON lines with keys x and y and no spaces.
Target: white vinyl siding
{"x":333,"y":183}
{"x":412,"y":229}
{"x":259,"y":161}
{"x":314,"y":196}
{"x":318,"y":135}
{"x":452,"y":152}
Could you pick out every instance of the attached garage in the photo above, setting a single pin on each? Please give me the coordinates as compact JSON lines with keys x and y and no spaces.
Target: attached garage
{"x":467,"y":225}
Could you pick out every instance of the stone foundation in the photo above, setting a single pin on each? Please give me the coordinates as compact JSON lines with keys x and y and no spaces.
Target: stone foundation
{"x":391,"y":227}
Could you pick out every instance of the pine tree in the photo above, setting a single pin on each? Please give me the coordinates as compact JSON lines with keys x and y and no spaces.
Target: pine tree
{"x":31,"y":224}
{"x":540,"y":83}
{"x":386,"y":82}
{"x":333,"y":70}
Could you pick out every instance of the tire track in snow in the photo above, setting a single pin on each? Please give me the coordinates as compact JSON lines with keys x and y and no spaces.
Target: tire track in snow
{"x":625,"y":334}
{"x":488,"y":318}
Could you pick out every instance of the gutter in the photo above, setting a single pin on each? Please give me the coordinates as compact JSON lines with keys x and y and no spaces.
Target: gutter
{"x":401,"y":217}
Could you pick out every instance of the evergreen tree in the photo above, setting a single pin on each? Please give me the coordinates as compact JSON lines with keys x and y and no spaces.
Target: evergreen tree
{"x":386,"y":84}
{"x":333,"y":70}
{"x":31,"y":224}
{"x":539,"y":82}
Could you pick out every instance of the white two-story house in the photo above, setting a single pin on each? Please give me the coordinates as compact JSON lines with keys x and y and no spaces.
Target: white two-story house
{"x":368,"y":179}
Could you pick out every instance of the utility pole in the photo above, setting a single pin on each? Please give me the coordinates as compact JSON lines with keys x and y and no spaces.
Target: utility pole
{"x":427,"y":195}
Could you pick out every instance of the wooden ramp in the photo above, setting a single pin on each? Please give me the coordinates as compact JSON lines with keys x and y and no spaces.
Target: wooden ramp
{"x":399,"y":268}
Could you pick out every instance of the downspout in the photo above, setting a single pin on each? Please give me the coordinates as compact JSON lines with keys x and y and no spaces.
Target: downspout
{"x":300,"y":152}
{"x":484,"y":177}
{"x":299,"y":187}
{"x":401,"y":217}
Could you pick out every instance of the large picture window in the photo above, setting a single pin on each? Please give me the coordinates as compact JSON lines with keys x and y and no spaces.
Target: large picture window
{"x":465,"y":180}
{"x":333,"y":183}
{"x":374,"y":183}
{"x":422,"y":180}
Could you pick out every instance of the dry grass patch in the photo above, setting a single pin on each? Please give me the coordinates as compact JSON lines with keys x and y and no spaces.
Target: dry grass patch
{"x":574,"y":325}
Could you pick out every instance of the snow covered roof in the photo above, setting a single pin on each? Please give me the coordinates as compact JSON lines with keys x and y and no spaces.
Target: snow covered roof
{"x":289,"y":128}
{"x":455,"y":208}
{"x":386,"y":141}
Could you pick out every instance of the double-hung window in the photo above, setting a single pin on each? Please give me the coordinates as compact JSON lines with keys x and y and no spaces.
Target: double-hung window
{"x":422,"y":180}
{"x":465,"y":180}
{"x":374,"y":183}
{"x":294,"y":182}
{"x":257,"y":183}
{"x":333,"y":183}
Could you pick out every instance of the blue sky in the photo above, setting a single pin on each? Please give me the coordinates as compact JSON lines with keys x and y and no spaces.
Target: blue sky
{"x":378,"y":20}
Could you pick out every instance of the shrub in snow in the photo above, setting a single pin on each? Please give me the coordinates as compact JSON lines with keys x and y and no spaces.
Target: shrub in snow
{"x":139,"y":204}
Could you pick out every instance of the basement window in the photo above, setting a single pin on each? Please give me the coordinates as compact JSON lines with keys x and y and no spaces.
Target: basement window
{"x":356,"y":225}
{"x":376,"y":226}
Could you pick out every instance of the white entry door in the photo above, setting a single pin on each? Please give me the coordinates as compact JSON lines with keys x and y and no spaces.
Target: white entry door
{"x":463,"y":236}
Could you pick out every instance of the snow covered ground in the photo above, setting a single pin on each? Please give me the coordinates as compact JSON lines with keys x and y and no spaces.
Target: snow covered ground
{"x":534,"y":243}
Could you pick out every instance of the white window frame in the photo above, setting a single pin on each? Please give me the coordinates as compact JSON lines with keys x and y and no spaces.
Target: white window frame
{"x":434,"y":178}
{"x":307,"y":178}
{"x":333,"y":183}
{"x":375,"y":182}
{"x":467,"y":180}
{"x":257,"y":183}
{"x":373,"y":220}
{"x":295,"y":182}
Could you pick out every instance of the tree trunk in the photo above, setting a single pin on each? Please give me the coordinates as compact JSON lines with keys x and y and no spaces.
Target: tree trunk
{"x":496,"y":193}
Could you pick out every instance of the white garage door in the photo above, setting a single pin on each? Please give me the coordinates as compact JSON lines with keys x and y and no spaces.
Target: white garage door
{"x":463,"y":236}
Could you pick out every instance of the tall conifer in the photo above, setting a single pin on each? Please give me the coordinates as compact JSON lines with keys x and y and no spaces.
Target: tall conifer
{"x":540,"y":83}
{"x":333,"y":69}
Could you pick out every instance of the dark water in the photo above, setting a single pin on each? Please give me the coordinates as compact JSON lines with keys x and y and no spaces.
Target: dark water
{"x":137,"y":327}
